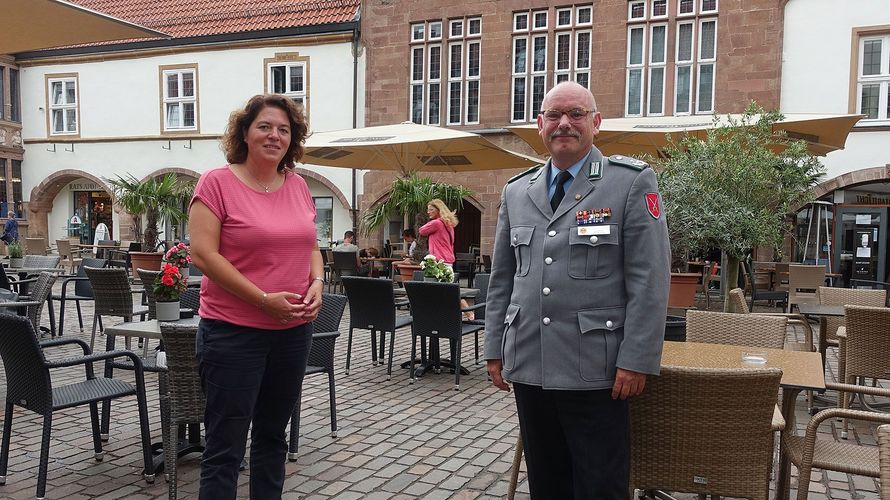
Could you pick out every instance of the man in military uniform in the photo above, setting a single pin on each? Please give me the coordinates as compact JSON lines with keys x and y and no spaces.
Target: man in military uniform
{"x":577,"y":301}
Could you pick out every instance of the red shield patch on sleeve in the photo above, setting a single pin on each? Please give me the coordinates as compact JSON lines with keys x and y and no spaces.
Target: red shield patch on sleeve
{"x":652,"y":205}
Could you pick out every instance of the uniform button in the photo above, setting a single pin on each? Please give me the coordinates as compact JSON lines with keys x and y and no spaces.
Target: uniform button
{"x":546,"y":320}
{"x":545,"y":291}
{"x":609,"y":324}
{"x":593,"y":239}
{"x":515,"y":237}
{"x":552,"y":233}
{"x":577,"y":197}
{"x":548,"y":261}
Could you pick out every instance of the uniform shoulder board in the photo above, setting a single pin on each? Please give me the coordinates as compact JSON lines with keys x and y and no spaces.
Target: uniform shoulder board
{"x":523,"y":174}
{"x":627,"y":161}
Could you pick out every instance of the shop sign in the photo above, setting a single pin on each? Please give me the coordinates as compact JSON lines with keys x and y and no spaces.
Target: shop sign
{"x":84,"y":186}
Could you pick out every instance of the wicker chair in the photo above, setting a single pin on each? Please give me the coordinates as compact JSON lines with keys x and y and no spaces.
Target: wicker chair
{"x":40,"y":294}
{"x":30,"y":386}
{"x":736,"y":329}
{"x":191,"y":298}
{"x":70,"y":259}
{"x":113,"y":295}
{"x":181,"y":394}
{"x":864,"y":348}
{"x":724,"y":410}
{"x":803,"y":284}
{"x":884,"y":459}
{"x":372,"y":307}
{"x":814,"y":450}
{"x":326,"y":329}
{"x":829,"y":325}
{"x":738,"y":305}
{"x":435,"y":308}
{"x":148,"y":278}
{"x":83,"y":291}
{"x":41,"y":261}
{"x":343,"y":264}
{"x":758,"y":293}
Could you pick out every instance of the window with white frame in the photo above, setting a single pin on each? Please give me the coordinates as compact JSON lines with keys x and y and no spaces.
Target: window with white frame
{"x":568,"y":43}
{"x":873,"y":85}
{"x":180,"y":99}
{"x":444,"y":77}
{"x":288,"y":79}
{"x":62,"y":105}
{"x":694,"y":57}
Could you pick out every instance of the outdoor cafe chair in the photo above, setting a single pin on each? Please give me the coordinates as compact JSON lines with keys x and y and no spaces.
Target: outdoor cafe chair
{"x":820,"y":450}
{"x":864,"y":348}
{"x":70,"y":258}
{"x":883,"y":433}
{"x":803,"y":284}
{"x":30,"y":386}
{"x":759,"y":293}
{"x":113,"y":296}
{"x":828,"y":326}
{"x":737,"y":304}
{"x":191,"y":299}
{"x":325,"y":330}
{"x":182,"y":397}
{"x":343,"y":264}
{"x":436,"y":313}
{"x":372,"y":307}
{"x":39,"y":295}
{"x":83,"y":291}
{"x":705,"y":431}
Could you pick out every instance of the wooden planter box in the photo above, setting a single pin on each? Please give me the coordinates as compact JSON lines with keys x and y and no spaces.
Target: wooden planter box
{"x":683,"y":288}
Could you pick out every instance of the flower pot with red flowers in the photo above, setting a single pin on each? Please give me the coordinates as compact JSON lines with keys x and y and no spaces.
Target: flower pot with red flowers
{"x":168,"y":288}
{"x":178,"y":255}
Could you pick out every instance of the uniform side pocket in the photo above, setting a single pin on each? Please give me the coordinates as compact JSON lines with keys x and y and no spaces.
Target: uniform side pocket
{"x":508,"y":347}
{"x":602,"y":331}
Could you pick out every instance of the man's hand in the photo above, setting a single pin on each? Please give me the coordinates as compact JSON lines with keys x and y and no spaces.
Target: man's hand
{"x":627,"y":383}
{"x":494,"y":371}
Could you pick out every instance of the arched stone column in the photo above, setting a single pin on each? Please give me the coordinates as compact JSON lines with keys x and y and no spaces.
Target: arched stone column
{"x":43,"y":194}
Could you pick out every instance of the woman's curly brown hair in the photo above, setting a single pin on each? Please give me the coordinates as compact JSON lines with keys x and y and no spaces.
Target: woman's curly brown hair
{"x":239,"y":121}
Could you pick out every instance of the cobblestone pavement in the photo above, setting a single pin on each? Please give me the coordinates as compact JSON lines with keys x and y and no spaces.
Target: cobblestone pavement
{"x":395,"y":441}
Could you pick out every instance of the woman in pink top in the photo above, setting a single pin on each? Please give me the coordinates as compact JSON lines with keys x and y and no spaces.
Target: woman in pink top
{"x":440,"y":230}
{"x":252,"y":226}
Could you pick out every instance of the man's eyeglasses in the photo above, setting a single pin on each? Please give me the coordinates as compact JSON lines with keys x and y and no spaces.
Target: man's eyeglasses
{"x":574,"y":114}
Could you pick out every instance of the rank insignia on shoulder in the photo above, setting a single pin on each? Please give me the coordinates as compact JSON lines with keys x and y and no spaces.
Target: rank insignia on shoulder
{"x":523,"y":174}
{"x":627,"y":161}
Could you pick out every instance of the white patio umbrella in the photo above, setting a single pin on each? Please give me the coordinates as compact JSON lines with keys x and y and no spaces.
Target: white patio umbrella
{"x":42,"y":24}
{"x":638,"y":136}
{"x":408,"y":147}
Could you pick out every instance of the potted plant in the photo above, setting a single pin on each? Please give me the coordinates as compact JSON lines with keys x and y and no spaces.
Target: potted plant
{"x":408,"y":198}
{"x":168,"y":288}
{"x":436,"y":270}
{"x":734,"y":189}
{"x":16,"y":254}
{"x":157,"y":199}
{"x":178,"y":255}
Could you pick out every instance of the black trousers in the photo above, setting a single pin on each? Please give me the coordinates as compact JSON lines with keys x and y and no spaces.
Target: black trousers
{"x":248,"y":375}
{"x":576,"y":443}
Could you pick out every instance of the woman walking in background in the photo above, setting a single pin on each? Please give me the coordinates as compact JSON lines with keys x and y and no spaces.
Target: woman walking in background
{"x":253,"y":235}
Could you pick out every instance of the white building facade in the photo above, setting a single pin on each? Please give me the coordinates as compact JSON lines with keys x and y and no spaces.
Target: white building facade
{"x":148,"y":108}
{"x":836,"y":59}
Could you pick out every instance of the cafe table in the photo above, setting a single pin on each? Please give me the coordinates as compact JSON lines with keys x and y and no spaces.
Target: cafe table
{"x":801,"y":370}
{"x":465,"y":293}
{"x":151,"y":329}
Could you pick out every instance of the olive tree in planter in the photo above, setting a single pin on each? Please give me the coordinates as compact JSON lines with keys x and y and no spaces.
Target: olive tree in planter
{"x":735,"y":189}
{"x":409,"y":197}
{"x":155,"y":198}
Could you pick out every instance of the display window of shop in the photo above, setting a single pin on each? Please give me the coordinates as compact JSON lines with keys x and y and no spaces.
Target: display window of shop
{"x":324,"y":219}
{"x":92,"y":208}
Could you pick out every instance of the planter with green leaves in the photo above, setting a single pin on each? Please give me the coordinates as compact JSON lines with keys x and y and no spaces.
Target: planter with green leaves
{"x":408,"y":198}
{"x":16,"y":254}
{"x":157,"y":199}
{"x":734,"y":190}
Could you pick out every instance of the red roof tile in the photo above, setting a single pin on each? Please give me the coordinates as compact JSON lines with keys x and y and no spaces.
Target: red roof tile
{"x":190,"y":18}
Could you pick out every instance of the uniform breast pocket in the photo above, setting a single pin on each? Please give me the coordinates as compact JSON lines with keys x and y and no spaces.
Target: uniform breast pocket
{"x":520,"y":240}
{"x":593,"y":256}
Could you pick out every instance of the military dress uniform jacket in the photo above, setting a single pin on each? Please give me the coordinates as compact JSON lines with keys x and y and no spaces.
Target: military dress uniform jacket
{"x":565,"y":306}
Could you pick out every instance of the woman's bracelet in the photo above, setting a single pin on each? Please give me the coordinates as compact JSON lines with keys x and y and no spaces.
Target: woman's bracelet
{"x":262,"y":304}
{"x":319,"y":279}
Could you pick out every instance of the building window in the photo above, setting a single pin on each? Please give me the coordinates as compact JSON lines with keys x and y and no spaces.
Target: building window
{"x":11,"y":173}
{"x":694,"y":58}
{"x":462,"y":71}
{"x":180,"y":98}
{"x":636,"y":11}
{"x":569,"y":44}
{"x":873,"y":82}
{"x":287,"y":73}
{"x":62,"y":104}
{"x":324,"y":218}
{"x":15,"y":103}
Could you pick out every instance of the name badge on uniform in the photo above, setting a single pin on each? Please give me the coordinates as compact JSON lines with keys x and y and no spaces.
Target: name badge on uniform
{"x":593,"y":230}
